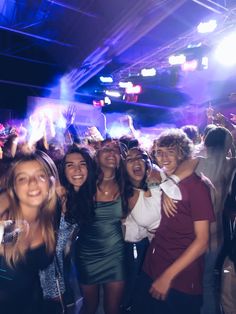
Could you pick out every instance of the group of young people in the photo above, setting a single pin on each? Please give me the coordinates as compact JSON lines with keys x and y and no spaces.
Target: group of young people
{"x":110,"y":217}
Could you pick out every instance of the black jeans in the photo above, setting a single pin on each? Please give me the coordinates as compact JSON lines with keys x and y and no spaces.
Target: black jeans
{"x":55,"y":307}
{"x":135,"y":254}
{"x":176,"y":303}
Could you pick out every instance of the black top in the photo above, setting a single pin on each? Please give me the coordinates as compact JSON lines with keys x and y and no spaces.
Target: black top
{"x":19,"y":286}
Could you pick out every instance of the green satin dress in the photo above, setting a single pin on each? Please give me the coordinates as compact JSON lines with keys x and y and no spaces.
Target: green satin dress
{"x":101,"y":246}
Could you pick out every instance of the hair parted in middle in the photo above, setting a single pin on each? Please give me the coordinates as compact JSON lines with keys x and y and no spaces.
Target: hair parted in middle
{"x":79,"y":205}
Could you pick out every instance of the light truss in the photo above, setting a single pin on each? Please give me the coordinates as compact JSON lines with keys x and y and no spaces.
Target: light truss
{"x":216,"y":7}
{"x":124,"y":34}
{"x":158,"y":58}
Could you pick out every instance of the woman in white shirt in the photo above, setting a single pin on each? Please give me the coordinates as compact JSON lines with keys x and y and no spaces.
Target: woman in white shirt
{"x":144,"y":207}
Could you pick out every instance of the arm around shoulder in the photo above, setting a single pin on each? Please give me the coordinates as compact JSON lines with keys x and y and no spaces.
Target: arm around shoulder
{"x":186,"y":168}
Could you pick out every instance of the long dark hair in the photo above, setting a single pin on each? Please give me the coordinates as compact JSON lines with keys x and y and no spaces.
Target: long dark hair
{"x":128,"y":186}
{"x":80,"y":204}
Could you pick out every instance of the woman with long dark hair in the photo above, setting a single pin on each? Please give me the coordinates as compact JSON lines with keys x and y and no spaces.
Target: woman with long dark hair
{"x":144,"y":211}
{"x":78,"y":189}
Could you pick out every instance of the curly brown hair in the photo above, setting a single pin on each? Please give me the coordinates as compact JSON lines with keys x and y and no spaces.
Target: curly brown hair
{"x":175,"y":138}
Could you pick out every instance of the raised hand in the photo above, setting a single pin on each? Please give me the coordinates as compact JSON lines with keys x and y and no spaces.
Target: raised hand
{"x":69,"y":114}
{"x":210,"y":113}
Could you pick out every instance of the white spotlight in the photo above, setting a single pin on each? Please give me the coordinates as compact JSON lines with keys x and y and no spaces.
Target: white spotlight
{"x":148,"y":72}
{"x":107,"y":100}
{"x":205,"y":63}
{"x":112,"y":93}
{"x":225,"y":52}
{"x":125,"y":84}
{"x":177,"y":59}
{"x":106,"y":79}
{"x":207,"y":27}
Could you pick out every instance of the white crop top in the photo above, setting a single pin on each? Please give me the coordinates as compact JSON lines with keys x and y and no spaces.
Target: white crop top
{"x":145,"y":217}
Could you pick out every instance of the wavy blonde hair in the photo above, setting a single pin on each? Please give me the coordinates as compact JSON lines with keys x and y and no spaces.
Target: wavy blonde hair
{"x":15,"y":251}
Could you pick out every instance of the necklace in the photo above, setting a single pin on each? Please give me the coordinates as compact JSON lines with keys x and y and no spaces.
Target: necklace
{"x":109,"y":191}
{"x":137,"y":189}
{"x":104,"y":192}
{"x":109,"y":178}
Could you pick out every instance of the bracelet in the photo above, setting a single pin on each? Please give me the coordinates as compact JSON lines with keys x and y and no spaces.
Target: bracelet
{"x":153,"y":184}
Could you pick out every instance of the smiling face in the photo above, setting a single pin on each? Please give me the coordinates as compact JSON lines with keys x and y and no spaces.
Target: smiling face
{"x":109,"y":156}
{"x":135,"y":166}
{"x":168,"y":158}
{"x":76,"y":170}
{"x":31,"y":184}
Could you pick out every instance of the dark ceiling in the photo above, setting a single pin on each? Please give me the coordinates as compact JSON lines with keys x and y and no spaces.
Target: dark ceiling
{"x":41,"y":41}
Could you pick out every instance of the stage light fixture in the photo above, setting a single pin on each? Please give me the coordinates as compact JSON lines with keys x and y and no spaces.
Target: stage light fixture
{"x":98,"y":103}
{"x":148,"y":72}
{"x":125,"y":84}
{"x":106,"y":79}
{"x":136,"y":89}
{"x":113,"y":93}
{"x":107,"y":100}
{"x":177,"y":59}
{"x":205,"y":63}
{"x":130,"y":98}
{"x":193,"y":46}
{"x":207,"y":27}
{"x":190,"y":65}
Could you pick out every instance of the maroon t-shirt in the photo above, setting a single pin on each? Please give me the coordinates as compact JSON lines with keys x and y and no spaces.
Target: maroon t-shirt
{"x":175,"y":234}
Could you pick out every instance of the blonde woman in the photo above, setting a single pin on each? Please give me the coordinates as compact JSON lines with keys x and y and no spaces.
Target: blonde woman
{"x":32,"y":200}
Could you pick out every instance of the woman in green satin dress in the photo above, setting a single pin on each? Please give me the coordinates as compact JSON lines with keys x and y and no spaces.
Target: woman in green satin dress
{"x":101,"y":244}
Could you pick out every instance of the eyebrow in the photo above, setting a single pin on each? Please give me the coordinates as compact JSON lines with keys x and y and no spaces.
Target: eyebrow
{"x":23,"y":172}
{"x":73,"y":162}
{"x":128,"y":158}
{"x":111,"y":147}
{"x":19,"y":174}
{"x":134,"y":157}
{"x":168,"y":148}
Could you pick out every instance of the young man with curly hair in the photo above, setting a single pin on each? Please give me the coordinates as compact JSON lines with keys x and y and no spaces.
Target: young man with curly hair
{"x":171,"y":282}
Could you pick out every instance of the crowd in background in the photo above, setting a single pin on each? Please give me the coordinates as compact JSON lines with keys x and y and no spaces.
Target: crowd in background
{"x":154,"y":228}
